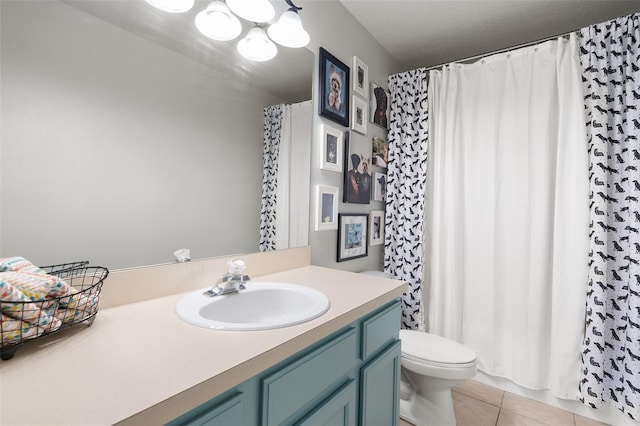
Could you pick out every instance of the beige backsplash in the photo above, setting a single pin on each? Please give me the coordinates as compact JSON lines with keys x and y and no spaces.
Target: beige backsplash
{"x":127,"y":286}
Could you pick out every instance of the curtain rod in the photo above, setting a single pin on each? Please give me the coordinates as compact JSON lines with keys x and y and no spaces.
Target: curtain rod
{"x":506,"y":49}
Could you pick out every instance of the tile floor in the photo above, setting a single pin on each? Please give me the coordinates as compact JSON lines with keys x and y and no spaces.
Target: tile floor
{"x":477,"y":404}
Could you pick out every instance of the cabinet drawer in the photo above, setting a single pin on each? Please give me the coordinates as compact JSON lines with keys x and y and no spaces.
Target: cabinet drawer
{"x":289,"y":389}
{"x":381,"y":329}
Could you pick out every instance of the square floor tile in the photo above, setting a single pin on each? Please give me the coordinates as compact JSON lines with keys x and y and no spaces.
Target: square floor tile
{"x":536,"y":410}
{"x":509,"y":418}
{"x":480,"y":391}
{"x":472,"y":412}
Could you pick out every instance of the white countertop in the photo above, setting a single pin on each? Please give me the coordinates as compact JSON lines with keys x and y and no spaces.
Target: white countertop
{"x":140,"y":364}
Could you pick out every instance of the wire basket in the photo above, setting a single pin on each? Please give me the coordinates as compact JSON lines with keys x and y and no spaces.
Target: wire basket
{"x":75,"y":302}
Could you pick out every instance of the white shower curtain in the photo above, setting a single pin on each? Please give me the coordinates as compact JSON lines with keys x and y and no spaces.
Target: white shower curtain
{"x":294,"y":170}
{"x":507,"y":213}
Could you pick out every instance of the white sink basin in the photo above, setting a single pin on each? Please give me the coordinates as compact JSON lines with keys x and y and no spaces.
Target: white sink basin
{"x":261,"y":306}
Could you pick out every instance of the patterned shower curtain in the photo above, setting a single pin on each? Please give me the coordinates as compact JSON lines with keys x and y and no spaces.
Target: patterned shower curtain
{"x":610,"y":56}
{"x":406,"y":180}
{"x":271,"y":146}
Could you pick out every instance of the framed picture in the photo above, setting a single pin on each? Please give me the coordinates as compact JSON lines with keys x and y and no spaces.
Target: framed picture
{"x":331,"y":155}
{"x":376,"y":227}
{"x":352,"y":236}
{"x":379,"y":186}
{"x":326,"y":208}
{"x":359,"y":115}
{"x":334,"y":88}
{"x":360,"y":77}
{"x":379,"y":103}
{"x":380,"y":152}
{"x":357,"y":177}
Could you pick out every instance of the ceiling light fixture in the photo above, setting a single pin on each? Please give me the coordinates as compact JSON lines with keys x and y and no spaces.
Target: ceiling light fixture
{"x":256,"y":46}
{"x":218,"y":23}
{"x":172,"y":6}
{"x":252,"y":10}
{"x":288,"y":30}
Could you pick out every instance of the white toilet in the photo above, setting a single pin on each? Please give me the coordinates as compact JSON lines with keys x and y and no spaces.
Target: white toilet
{"x":431,"y":366}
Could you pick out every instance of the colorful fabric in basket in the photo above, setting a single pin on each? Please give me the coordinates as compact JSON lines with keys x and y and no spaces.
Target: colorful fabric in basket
{"x":18,"y":264}
{"x":16,"y":305}
{"x":33,"y":302}
{"x":34,"y":286}
{"x":13,"y":330}
{"x":84,"y":306}
{"x":39,"y":286}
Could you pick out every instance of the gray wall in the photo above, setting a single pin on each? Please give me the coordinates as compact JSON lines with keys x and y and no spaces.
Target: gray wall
{"x":110,"y":136}
{"x":332,"y":27}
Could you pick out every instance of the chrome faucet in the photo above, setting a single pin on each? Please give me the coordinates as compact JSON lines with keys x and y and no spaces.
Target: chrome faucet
{"x":231,"y":282}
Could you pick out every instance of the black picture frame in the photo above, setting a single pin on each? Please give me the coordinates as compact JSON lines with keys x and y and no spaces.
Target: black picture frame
{"x":352,"y":236}
{"x":334,"y":88}
{"x":357,"y":172}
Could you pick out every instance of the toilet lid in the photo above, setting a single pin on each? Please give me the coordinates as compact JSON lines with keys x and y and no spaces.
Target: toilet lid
{"x":432,"y":348}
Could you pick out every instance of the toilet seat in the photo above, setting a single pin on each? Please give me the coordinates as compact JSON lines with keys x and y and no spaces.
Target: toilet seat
{"x":435,"y":350}
{"x":436,"y":356}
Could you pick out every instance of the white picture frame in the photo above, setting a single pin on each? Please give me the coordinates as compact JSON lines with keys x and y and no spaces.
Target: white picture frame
{"x":360,"y":80}
{"x":326,"y":208}
{"x":332,"y":149}
{"x":359,"y":115}
{"x":376,"y":227}
{"x":379,"y":186}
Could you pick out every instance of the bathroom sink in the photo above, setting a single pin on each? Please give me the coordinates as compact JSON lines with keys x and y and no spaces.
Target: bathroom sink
{"x":260,"y":306}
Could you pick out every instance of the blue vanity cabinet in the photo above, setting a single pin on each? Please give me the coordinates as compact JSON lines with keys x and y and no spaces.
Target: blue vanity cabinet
{"x":348,"y":378}
{"x":338,"y":410}
{"x":379,"y":399}
{"x":223,"y":411}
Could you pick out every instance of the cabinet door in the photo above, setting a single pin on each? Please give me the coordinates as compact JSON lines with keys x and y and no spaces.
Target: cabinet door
{"x":337,"y":410}
{"x":379,"y":383}
{"x":228,"y":412}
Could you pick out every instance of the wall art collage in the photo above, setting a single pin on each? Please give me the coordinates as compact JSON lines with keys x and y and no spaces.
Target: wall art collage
{"x":348,"y":99}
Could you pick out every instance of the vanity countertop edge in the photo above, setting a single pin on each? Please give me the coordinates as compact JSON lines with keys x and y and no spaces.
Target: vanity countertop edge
{"x":140,"y":364}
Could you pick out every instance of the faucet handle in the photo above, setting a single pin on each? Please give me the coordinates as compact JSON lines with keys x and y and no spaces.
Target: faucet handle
{"x":236,"y":267}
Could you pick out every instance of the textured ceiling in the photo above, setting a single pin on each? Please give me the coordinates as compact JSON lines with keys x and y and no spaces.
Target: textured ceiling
{"x":427,"y":32}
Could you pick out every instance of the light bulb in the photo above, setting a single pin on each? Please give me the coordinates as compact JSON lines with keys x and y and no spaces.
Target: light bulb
{"x":172,"y":6}
{"x":288,"y":30}
{"x":252,"y":10}
{"x":256,"y":46}
{"x":217,"y":22}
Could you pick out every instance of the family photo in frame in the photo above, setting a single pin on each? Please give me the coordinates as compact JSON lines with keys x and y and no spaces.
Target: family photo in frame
{"x":357,"y":175}
{"x":380,"y":152}
{"x":334,"y":88}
